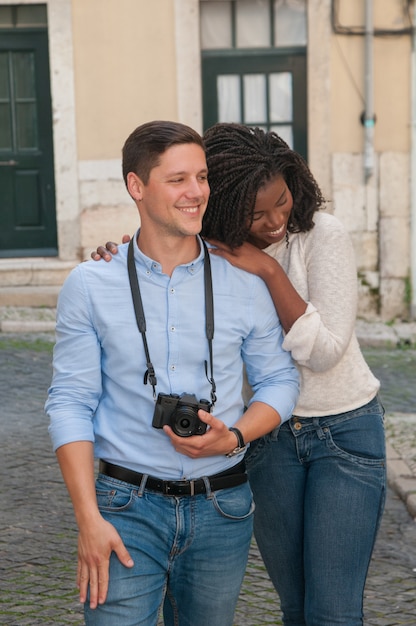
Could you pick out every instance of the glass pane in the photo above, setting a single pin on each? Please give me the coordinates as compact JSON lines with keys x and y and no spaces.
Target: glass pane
{"x":26,"y":126}
{"x":5,"y":127}
{"x":255,"y":99}
{"x":216,"y":28}
{"x":253,"y":24}
{"x":285,"y":132}
{"x":24,"y":74}
{"x":6,"y":17}
{"x":280,"y":97}
{"x":229,"y":103}
{"x":31,"y":15}
{"x":290,"y":23}
{"x":4,"y":77}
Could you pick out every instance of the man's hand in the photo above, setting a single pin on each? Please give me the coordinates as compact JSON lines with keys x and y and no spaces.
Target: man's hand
{"x":106,"y":252}
{"x":217,"y":440}
{"x":95,"y":545}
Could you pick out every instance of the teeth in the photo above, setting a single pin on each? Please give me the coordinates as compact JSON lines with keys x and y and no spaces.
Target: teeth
{"x":193,"y":209}
{"x":278,"y":231}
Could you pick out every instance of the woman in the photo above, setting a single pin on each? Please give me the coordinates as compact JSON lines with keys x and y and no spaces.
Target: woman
{"x":318,"y":480}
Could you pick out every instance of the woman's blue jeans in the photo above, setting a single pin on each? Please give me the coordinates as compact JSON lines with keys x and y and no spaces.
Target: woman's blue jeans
{"x":319,"y":487}
{"x":189,"y":552}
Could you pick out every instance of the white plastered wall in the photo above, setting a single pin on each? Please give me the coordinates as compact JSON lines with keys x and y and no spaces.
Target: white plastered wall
{"x":106,"y":209}
{"x":319,"y":93}
{"x":65,"y":149}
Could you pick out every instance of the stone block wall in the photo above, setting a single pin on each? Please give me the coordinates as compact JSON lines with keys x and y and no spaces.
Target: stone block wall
{"x":376,"y":213}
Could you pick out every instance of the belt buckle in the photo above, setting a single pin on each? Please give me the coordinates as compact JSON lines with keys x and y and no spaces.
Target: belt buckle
{"x":172,"y":484}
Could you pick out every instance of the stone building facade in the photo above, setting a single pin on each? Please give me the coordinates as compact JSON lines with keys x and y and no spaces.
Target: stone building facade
{"x":116,"y":64}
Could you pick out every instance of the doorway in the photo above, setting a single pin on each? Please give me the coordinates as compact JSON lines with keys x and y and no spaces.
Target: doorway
{"x":27,"y":187}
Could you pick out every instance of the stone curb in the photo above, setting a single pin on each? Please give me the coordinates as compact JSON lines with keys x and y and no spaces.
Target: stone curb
{"x":401,"y":479}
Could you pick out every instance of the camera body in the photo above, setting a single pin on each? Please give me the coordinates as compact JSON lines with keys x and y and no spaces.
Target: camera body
{"x":180,"y":412}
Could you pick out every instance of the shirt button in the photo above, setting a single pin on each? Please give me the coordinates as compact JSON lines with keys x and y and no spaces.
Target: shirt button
{"x":172,"y":290}
{"x":172,"y":367}
{"x":173,"y":329}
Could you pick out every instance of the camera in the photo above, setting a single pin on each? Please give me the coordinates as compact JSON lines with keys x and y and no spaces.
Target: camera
{"x":180,"y":412}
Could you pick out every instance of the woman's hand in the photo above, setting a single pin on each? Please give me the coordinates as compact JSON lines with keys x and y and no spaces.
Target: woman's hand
{"x":288,"y":303}
{"x":106,"y":252}
{"x":246,"y":257}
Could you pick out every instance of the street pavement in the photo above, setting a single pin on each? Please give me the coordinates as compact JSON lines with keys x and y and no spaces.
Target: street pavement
{"x":37,"y":529}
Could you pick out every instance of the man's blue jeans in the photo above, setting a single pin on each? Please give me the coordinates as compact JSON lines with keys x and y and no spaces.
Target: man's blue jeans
{"x":189,"y":550}
{"x":319,"y":488}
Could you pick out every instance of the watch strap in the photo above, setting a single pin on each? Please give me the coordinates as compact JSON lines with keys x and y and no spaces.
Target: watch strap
{"x":241,"y":446}
{"x":238,"y":434}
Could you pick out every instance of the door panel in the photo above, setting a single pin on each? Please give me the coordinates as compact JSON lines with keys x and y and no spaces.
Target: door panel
{"x":27,"y":189}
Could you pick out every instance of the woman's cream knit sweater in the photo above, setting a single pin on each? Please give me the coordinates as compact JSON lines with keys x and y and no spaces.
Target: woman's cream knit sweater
{"x":320,"y":263}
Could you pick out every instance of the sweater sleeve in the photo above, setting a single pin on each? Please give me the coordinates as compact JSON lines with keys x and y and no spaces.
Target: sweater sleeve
{"x":320,"y":337}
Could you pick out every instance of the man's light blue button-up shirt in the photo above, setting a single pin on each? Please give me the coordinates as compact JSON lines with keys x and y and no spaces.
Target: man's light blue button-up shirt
{"x":97,"y":392}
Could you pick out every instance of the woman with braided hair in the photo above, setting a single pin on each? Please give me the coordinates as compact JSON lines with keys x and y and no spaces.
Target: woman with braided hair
{"x":241,"y":161}
{"x":319,"y":479}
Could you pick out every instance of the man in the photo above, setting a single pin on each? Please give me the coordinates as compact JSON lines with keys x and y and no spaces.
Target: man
{"x":169,"y":518}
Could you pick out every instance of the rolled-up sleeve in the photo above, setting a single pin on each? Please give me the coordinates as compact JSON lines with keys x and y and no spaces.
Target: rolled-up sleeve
{"x":76,"y":383}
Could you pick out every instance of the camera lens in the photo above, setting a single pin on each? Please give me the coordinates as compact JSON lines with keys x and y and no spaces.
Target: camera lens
{"x":183,"y":421}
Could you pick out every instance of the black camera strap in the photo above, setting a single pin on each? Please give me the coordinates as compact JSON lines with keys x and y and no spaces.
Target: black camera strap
{"x":150,"y":374}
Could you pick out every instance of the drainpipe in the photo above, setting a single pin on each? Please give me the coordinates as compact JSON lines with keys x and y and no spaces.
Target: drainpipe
{"x":368,"y":117}
{"x":413,"y":173}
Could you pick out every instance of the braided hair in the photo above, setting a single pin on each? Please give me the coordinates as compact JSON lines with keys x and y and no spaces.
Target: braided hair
{"x":240,"y":161}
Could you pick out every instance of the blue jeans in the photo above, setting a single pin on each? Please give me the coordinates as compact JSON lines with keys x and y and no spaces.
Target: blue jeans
{"x":189,"y":552}
{"x":319,"y":487}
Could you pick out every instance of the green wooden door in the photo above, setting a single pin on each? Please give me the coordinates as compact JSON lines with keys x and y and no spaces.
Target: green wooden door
{"x":27,"y":189}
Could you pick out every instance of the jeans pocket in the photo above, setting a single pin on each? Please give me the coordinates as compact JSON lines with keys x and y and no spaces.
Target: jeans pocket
{"x":235,"y":503}
{"x":113,"y":496}
{"x":360,"y":439}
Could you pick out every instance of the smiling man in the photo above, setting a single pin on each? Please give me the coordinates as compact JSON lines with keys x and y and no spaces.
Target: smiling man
{"x":168,"y":520}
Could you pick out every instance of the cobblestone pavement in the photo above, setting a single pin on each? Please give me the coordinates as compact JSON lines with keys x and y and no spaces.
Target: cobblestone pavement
{"x":37,"y":529}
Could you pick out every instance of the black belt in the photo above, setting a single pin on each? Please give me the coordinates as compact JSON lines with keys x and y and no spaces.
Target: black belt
{"x":224,"y":480}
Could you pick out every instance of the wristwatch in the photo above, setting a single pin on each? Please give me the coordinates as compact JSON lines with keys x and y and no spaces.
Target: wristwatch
{"x":241,"y":445}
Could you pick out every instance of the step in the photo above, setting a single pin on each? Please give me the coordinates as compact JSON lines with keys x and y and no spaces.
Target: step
{"x":30,"y":296}
{"x":34,"y":272}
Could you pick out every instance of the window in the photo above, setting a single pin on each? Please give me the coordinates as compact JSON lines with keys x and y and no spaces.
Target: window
{"x":23,"y":16}
{"x":252,"y":23}
{"x":254,"y":65}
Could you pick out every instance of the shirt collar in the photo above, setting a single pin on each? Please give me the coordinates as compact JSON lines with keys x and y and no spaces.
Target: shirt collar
{"x":152,"y":266}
